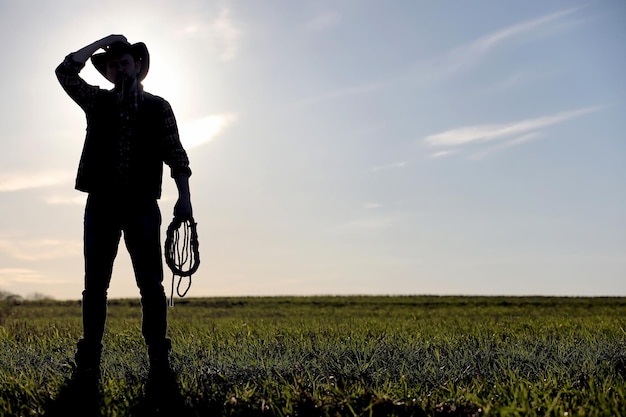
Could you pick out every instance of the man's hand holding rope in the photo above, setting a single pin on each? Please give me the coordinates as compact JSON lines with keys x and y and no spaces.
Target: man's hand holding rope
{"x":182,"y":208}
{"x":181,"y":243}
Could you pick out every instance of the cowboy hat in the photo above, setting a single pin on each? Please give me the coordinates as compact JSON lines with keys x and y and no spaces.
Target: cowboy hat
{"x":138,"y":51}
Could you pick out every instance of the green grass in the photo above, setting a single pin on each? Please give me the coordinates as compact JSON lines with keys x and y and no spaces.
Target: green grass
{"x":327,"y":356}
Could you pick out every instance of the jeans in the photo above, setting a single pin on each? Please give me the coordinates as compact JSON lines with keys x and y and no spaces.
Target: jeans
{"x":105,"y":219}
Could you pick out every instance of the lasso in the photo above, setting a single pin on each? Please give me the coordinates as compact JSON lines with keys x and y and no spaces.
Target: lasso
{"x":181,"y":253}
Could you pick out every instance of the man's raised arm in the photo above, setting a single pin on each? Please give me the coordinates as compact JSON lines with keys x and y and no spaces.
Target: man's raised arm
{"x":67,"y":71}
{"x":83,"y":54}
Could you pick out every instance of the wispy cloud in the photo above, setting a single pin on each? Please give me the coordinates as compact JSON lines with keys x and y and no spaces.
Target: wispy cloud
{"x":227,"y":34}
{"x":514,"y":142}
{"x":78,"y":199}
{"x":11,"y":276}
{"x":492,"y":40}
{"x":40,"y":249}
{"x":222,"y":31}
{"x":367,"y":224}
{"x":441,"y":154}
{"x":469,"y":55}
{"x":521,"y":78}
{"x":484,"y":133}
{"x":205,"y":129}
{"x":322,"y":21}
{"x":342,"y":93}
{"x":451,"y":62}
{"x":17,"y":181}
{"x":388,"y":167}
{"x":373,"y":218}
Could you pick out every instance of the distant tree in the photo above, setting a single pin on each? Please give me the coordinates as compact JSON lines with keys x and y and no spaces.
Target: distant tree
{"x":37,"y":296}
{"x":5,"y":295}
{"x":8,"y":296}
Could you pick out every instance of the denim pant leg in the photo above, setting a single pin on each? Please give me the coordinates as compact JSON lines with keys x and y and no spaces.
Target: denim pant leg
{"x":102,"y":231}
{"x":142,"y":236}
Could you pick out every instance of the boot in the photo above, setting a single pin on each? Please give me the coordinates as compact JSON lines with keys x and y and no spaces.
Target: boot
{"x":158,"y":354}
{"x":162,"y":389}
{"x":87,"y":360}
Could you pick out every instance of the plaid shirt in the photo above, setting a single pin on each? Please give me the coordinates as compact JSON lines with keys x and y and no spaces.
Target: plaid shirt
{"x":128,"y":105}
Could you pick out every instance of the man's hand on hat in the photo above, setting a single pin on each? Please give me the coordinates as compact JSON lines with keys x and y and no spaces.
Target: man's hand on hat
{"x":83,"y":54}
{"x":111,"y":39}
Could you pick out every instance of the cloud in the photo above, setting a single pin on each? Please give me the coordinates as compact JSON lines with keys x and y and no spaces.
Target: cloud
{"x":447,"y":64}
{"x":514,"y":142}
{"x":226,"y":34}
{"x":469,"y":55}
{"x":521,"y":78}
{"x":373,"y":218}
{"x":492,"y":40}
{"x":222,"y":31}
{"x":323,"y":21}
{"x":441,"y":154}
{"x":490,"y":132}
{"x":369,"y":223}
{"x":205,"y":129}
{"x":388,"y":167}
{"x":17,"y":271}
{"x":79,"y":199}
{"x":18,"y":181}
{"x":40,"y":249}
{"x":10,"y":276}
{"x":341,"y":93}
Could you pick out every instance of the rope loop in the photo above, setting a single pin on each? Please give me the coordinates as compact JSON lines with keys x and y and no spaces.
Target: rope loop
{"x":181,"y":252}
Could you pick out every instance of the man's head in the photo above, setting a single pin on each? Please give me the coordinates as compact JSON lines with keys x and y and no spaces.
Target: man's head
{"x":122,"y":68}
{"x":123,"y":62}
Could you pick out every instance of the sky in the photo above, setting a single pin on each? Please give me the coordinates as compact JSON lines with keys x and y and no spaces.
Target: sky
{"x":340,"y":147}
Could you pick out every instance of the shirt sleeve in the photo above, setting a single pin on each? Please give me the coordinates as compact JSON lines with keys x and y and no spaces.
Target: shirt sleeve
{"x":174,"y":153}
{"x":81,"y":92}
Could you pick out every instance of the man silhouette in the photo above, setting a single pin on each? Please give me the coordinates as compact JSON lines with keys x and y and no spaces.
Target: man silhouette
{"x":130,"y":134}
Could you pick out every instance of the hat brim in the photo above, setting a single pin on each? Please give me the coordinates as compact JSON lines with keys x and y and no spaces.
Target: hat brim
{"x":138,"y":50}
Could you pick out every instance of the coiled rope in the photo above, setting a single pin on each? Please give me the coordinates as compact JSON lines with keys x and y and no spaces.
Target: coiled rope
{"x":181,"y":253}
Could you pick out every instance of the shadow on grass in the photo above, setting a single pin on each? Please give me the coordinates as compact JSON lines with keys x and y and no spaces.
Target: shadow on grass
{"x":77,"y":397}
{"x":162,"y":397}
{"x":84,"y":397}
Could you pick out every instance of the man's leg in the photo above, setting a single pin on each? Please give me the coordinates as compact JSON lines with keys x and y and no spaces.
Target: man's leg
{"x":101,"y":238}
{"x":142,"y":236}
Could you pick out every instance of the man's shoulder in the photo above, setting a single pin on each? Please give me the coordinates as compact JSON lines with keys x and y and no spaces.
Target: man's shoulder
{"x":154,"y":98}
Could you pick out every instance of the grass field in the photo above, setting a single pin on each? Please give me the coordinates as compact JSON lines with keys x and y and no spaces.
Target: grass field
{"x":327,"y":356}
